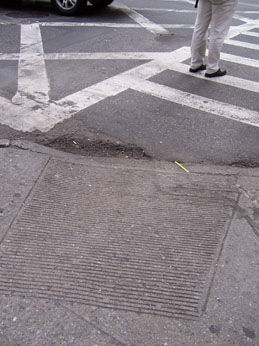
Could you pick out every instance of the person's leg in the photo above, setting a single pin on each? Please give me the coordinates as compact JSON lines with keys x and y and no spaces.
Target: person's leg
{"x":199,"y":37}
{"x":220,"y":23}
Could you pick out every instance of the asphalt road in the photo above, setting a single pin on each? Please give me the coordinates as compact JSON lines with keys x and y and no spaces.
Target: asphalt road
{"x":116,"y":82}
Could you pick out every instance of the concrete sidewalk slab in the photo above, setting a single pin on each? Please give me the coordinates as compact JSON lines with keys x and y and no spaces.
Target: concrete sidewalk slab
{"x":95,"y":251}
{"x":18,"y":173}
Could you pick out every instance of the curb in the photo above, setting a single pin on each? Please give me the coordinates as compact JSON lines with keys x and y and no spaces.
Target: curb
{"x":193,"y":168}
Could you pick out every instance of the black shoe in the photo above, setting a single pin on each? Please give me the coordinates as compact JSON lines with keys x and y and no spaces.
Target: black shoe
{"x":218,"y":73}
{"x":200,"y":68}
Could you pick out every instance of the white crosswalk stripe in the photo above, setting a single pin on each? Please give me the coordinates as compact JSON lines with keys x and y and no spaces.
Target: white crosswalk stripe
{"x":196,"y":102}
{"x":31,"y":109}
{"x":143,"y":21}
{"x":31,"y":67}
{"x":242,"y":44}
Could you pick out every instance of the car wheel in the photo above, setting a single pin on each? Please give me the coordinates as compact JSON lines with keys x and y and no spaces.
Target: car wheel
{"x":100,"y":3}
{"x":69,"y":7}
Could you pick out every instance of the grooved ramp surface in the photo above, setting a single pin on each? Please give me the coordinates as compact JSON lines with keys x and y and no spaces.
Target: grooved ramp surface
{"x":118,"y":238}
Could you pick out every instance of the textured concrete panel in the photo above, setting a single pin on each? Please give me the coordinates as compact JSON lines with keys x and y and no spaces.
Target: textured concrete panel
{"x":136,"y":240}
{"x":19,"y":170}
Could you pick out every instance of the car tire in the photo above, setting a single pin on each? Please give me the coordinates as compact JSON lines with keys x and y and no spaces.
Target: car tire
{"x":69,"y":7}
{"x":100,"y":3}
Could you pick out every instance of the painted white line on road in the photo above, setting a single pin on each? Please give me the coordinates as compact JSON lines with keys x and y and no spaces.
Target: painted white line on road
{"x":200,"y":103}
{"x":183,"y":54}
{"x":148,"y":9}
{"x":29,"y":116}
{"x":25,"y":117}
{"x":137,"y":56}
{"x":154,"y":67}
{"x":91,"y":95}
{"x":239,"y":60}
{"x":9,"y":115}
{"x":242,"y":44}
{"x":245,"y":3}
{"x":104,"y":56}
{"x":10,"y":56}
{"x":109,"y":87}
{"x":143,"y":21}
{"x":112,"y":25}
{"x":32,"y":76}
{"x":144,"y":56}
{"x":94,"y":24}
{"x":247,"y":12}
{"x":180,"y":1}
{"x":178,"y":26}
{"x":113,"y":86}
{"x":240,"y":29}
{"x":235,"y":82}
{"x":139,"y":75}
{"x":250,"y":33}
{"x":246,"y":19}
{"x":37,"y":112}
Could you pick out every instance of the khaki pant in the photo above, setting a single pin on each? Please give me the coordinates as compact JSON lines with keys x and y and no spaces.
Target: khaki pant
{"x":218,"y":14}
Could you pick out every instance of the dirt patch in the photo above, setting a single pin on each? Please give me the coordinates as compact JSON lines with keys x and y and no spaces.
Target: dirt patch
{"x":74,"y":137}
{"x":96,"y":147}
{"x":244,"y":164}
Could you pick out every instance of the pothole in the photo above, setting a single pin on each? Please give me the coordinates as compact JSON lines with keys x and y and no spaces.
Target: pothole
{"x":96,"y":147}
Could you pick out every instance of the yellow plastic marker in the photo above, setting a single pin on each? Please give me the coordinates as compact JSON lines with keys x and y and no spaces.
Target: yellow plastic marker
{"x":181,"y":166}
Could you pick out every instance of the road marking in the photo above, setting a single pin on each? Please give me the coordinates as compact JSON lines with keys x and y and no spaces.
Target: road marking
{"x":112,"y":25}
{"x":10,"y":56}
{"x":110,"y":87}
{"x":239,"y":30}
{"x":141,"y":56}
{"x":248,"y":4}
{"x":246,"y":19}
{"x":36,"y":111}
{"x":25,"y":117}
{"x":227,"y":80}
{"x":32,"y":76}
{"x":249,"y":33}
{"x":29,"y":117}
{"x":242,"y":44}
{"x":143,"y":21}
{"x":79,"y":24}
{"x":184,"y":54}
{"x":247,"y":12}
{"x":104,"y":56}
{"x":195,"y":101}
{"x":240,"y":60}
{"x":148,"y":9}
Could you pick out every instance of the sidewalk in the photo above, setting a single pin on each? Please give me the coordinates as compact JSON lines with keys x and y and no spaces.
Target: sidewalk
{"x":109,"y":252}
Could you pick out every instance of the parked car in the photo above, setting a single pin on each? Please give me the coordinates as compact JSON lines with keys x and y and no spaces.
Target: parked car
{"x":72,"y":7}
{"x":65,"y":7}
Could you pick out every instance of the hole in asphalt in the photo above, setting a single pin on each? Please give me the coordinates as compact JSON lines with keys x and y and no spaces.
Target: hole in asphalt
{"x":96,"y":147}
